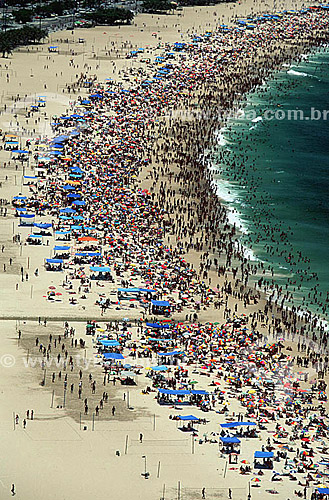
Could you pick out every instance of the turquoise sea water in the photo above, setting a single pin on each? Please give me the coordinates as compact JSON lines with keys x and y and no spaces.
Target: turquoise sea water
{"x":274,"y":176}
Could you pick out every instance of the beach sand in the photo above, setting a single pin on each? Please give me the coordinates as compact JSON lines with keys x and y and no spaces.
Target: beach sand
{"x":54,"y":457}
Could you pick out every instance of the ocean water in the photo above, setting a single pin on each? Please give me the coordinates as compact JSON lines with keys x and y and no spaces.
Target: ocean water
{"x":271,"y":168}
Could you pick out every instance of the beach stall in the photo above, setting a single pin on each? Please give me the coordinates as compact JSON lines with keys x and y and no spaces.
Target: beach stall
{"x":182,"y":397}
{"x":54,"y":264}
{"x":157,"y":326}
{"x":102,"y":273}
{"x":112,"y":357}
{"x":62,"y":235}
{"x":160,"y":307}
{"x":61,"y":252}
{"x":249,"y":432}
{"x":34,"y":239}
{"x":170,"y":358}
{"x":173,"y":397}
{"x":263,"y":459}
{"x":11,"y":145}
{"x":29,"y":180}
{"x":188,"y":422}
{"x":87,"y":257}
{"x":26,"y":220}
{"x":134,"y":293}
{"x":19,"y":201}
{"x":41,"y":172}
{"x":230,"y":444}
{"x":43,"y":228}
{"x":322,"y":493}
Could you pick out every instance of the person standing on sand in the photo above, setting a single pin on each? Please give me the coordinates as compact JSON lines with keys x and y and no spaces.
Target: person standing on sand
{"x":203,"y":492}
{"x":113,"y":411}
{"x":13,"y":492}
{"x":230,"y":493}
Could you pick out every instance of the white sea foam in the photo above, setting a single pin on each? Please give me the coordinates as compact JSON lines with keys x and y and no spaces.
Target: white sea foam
{"x":234,"y":218}
{"x":224,"y":191}
{"x":221,"y":139}
{"x":257,"y":119}
{"x":247,"y":252}
{"x":298,"y":73}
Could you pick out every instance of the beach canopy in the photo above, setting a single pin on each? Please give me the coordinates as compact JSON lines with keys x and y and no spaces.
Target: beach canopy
{"x":191,"y":418}
{"x":54,"y":261}
{"x":230,"y":440}
{"x":109,"y":343}
{"x":263,"y":454}
{"x":113,"y":355}
{"x":88,"y":254}
{"x":100,"y":269}
{"x":157,"y":325}
{"x":160,"y":303}
{"x":174,"y":392}
{"x":67,"y":211}
{"x":62,"y":249}
{"x":42,"y":225}
{"x":323,"y":491}
{"x":60,"y":138}
{"x":171,"y":353}
{"x":178,"y":392}
{"x":229,"y":425}
{"x":160,"y":368}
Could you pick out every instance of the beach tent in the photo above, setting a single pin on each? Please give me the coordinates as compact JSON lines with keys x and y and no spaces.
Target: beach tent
{"x":60,"y":139}
{"x":29,"y":179}
{"x":231,"y":425}
{"x":112,"y":355}
{"x":231,"y":444}
{"x":323,"y":491}
{"x":263,"y":454}
{"x":100,"y":269}
{"x":157,"y":325}
{"x":174,"y":392}
{"x":263,"y":459}
{"x":67,"y":210}
{"x":42,"y":225}
{"x":160,"y":307}
{"x":103,"y":273}
{"x":63,"y":235}
{"x":26,"y":219}
{"x":172,"y":353}
{"x":34,"y":239}
{"x":62,"y":251}
{"x":54,"y":264}
{"x":109,"y":343}
{"x":230,"y":440}
{"x":189,"y":418}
